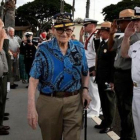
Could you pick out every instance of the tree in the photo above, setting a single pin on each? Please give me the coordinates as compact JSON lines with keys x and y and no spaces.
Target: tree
{"x":73,"y":8}
{"x":38,"y":14}
{"x":78,"y":20}
{"x":112,"y":11}
{"x":9,"y":13}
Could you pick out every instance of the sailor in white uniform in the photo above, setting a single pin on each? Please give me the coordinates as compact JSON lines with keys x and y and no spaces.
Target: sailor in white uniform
{"x":90,"y":50}
{"x":133,"y":52}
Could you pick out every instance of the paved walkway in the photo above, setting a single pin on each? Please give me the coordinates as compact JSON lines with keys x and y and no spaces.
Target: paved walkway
{"x":17,"y":107}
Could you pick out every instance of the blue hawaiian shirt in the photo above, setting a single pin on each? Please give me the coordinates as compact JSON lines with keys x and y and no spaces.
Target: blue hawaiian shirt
{"x":58,"y":72}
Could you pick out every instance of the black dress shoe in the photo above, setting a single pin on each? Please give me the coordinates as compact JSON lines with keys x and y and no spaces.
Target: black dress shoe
{"x":99,"y":126}
{"x":3,"y":132}
{"x":12,"y":86}
{"x":16,"y":85}
{"x":5,"y":127}
{"x":105,"y":130}
{"x":5,"y":118}
{"x":6,"y":114}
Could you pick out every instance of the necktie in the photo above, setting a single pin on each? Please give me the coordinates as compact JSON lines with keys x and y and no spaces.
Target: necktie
{"x":102,"y":43}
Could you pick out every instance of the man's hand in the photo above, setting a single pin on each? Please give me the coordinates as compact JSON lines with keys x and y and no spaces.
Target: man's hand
{"x":130,"y":29}
{"x":82,"y":31}
{"x":2,"y":33}
{"x":86,"y":97}
{"x":15,"y":55}
{"x":114,"y":27}
{"x":32,"y":116}
{"x":112,"y":86}
{"x":30,"y":44}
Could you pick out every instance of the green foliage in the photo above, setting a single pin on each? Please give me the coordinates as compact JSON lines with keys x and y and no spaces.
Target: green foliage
{"x":112,"y":11}
{"x":39,"y":13}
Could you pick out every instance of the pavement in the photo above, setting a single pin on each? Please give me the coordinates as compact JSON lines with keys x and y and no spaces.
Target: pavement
{"x":17,"y":107}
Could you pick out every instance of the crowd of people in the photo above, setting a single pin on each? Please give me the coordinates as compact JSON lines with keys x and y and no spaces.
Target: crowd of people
{"x":99,"y":72}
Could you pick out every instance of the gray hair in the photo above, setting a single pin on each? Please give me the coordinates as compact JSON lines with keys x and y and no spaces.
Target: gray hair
{"x":10,"y":28}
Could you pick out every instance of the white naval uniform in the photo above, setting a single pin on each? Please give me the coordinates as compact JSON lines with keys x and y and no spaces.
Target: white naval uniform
{"x":134,"y":53}
{"x":95,"y":105}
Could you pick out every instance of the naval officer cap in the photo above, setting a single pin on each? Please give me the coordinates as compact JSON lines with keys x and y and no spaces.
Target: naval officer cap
{"x":62,"y":20}
{"x":137,"y":13}
{"x":89,"y":21}
{"x":28,"y":34}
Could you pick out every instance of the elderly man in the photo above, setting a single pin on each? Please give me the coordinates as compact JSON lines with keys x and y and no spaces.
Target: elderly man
{"x":122,"y":78}
{"x":104,"y":78}
{"x":60,"y":70}
{"x":14,"y":51}
{"x":133,"y":52}
{"x":90,"y":49}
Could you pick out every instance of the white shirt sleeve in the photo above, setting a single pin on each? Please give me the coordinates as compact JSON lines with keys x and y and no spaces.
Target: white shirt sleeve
{"x":130,"y":51}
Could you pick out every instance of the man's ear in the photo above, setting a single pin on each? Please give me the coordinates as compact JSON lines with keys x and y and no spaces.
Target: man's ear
{"x":73,"y":28}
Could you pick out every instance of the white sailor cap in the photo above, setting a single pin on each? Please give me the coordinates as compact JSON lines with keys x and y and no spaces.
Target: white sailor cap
{"x":88,"y":21}
{"x":137,"y":13}
{"x":28,"y":33}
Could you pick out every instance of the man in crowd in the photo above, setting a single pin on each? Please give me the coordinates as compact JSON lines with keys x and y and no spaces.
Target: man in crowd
{"x":3,"y":79}
{"x":14,"y":51}
{"x":90,"y":49}
{"x":122,"y":78}
{"x":104,"y":79}
{"x":133,"y":52}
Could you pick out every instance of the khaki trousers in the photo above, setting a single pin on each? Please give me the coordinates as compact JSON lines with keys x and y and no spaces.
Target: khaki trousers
{"x":60,"y":117}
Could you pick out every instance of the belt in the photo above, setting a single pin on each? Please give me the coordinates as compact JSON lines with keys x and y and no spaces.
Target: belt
{"x":136,"y":84}
{"x":123,"y":71}
{"x":61,"y":94}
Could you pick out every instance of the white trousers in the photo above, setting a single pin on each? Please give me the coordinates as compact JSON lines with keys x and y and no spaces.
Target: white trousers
{"x":95,"y":105}
{"x":136,"y":110}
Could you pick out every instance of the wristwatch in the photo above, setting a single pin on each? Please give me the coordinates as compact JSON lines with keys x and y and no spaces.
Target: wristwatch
{"x":85,"y":88}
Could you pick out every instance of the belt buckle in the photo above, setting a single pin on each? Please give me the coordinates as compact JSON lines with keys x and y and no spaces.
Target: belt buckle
{"x":135,"y":84}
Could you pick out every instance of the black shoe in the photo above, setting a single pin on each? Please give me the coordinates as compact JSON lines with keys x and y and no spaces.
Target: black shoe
{"x":26,"y":86}
{"x":6,"y":114}
{"x":99,"y":126}
{"x":3,"y":132}
{"x":16,"y":85}
{"x":105,"y":130}
{"x":5,"y":127}
{"x":12,"y":86}
{"x":5,"y":118}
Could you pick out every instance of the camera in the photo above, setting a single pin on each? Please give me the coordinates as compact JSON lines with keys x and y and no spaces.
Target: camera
{"x":29,"y":41}
{"x":107,"y":87}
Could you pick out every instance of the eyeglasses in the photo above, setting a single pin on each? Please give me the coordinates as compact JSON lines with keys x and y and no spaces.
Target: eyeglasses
{"x":62,"y":30}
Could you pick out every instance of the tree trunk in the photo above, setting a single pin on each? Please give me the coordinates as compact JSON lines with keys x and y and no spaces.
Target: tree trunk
{"x":87,"y":8}
{"x":73,"y":8}
{"x":62,"y":6}
{"x":10,"y":13}
{"x":2,"y":10}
